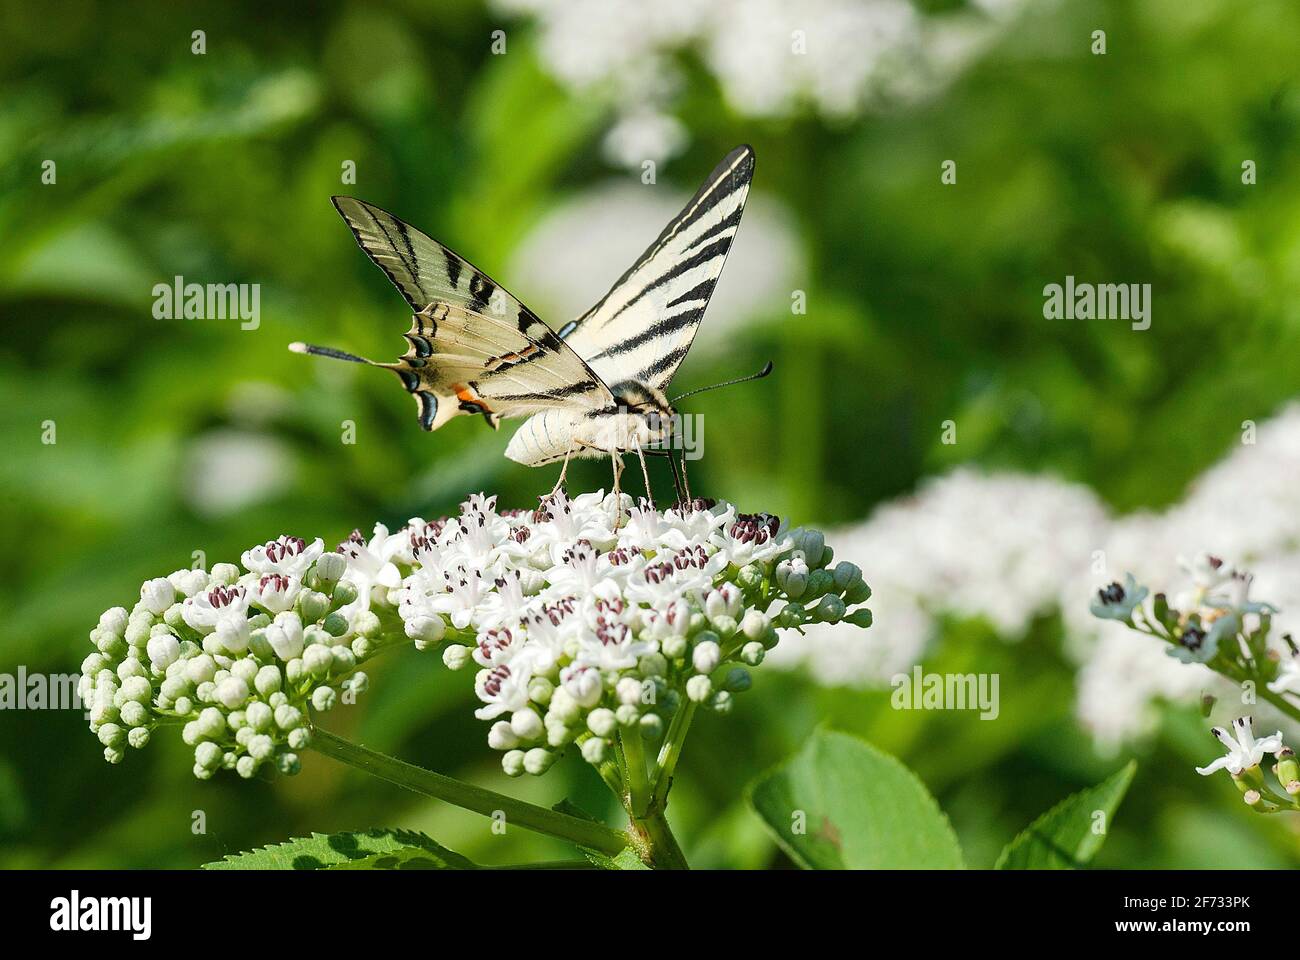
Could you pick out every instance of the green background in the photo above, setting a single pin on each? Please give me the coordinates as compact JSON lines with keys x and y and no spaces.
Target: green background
{"x":925,"y":304}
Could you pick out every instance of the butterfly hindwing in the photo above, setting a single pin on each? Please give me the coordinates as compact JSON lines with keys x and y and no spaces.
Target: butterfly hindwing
{"x":473,"y":348}
{"x":641,"y":330}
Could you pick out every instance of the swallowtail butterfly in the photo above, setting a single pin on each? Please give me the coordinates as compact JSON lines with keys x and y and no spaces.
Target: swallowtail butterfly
{"x":595,"y":387}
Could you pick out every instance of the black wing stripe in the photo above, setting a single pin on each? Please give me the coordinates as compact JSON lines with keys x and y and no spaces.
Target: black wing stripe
{"x":662,"y":328}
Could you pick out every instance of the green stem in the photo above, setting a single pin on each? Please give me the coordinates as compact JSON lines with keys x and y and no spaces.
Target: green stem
{"x":638,"y":786}
{"x":655,"y":844}
{"x":669,"y":753}
{"x":584,"y":833}
{"x":1280,"y":702}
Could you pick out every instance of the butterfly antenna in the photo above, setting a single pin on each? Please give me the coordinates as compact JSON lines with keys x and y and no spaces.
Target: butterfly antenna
{"x":299,"y":347}
{"x":767,"y":368}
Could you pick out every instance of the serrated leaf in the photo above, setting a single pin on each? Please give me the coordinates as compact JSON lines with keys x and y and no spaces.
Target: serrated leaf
{"x":840,"y":803}
{"x":1065,"y":838}
{"x":371,"y":849}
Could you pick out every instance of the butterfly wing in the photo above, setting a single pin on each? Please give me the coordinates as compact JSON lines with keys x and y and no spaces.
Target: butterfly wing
{"x":473,"y":348}
{"x":641,"y":330}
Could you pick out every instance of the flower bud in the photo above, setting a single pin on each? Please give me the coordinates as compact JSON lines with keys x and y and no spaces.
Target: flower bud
{"x":512,"y":762}
{"x":857,"y":592}
{"x":652,"y":727}
{"x":627,"y":715}
{"x":317,"y":660}
{"x":845,"y":575}
{"x":335,"y":624}
{"x":674,"y":647}
{"x":706,"y":656}
{"x":653,"y":665}
{"x":859,"y":618}
{"x":323,"y":698}
{"x":720,"y":702}
{"x":207,"y":755}
{"x":628,"y":691}
{"x":538,"y":760}
{"x":328,"y":569}
{"x":287,"y":717}
{"x":366,"y":623}
{"x":288,"y":764}
{"x":114,"y":621}
{"x":134,"y":713}
{"x":593,"y":750}
{"x":313,"y":605}
{"x":540,"y":690}
{"x":830,"y":609}
{"x":260,"y":747}
{"x":157,"y":595}
{"x":138,"y":737}
{"x":425,"y":629}
{"x":752,"y":653}
{"x":163,"y":650}
{"x":502,"y":736}
{"x":526,"y":724}
{"x":738,"y":680}
{"x":602,"y":722}
{"x":299,"y":738}
{"x":223,"y":574}
{"x":455,"y":656}
{"x":344,"y":593}
{"x":111,"y":735}
{"x":258,"y":715}
{"x":698,"y":688}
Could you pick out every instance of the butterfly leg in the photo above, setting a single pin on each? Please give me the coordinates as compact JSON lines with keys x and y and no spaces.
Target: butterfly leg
{"x":563,"y":470}
{"x":645,"y":474}
{"x":686,"y":481}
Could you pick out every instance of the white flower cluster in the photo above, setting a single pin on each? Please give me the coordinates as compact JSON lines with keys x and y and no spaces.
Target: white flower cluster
{"x":1007,"y":547}
{"x":235,"y":657}
{"x":584,"y":618}
{"x":769,"y":57}
{"x":590,"y":616}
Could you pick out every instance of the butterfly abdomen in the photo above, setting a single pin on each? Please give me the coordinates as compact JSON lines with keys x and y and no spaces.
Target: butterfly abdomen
{"x":543,"y":438}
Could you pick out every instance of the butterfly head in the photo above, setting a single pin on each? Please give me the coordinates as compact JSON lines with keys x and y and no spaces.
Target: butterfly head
{"x":648,"y":407}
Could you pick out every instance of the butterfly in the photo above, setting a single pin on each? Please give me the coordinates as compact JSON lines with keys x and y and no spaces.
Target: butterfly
{"x":593,"y":388}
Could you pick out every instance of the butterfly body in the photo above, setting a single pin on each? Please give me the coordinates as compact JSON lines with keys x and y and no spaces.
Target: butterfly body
{"x":594,"y":388}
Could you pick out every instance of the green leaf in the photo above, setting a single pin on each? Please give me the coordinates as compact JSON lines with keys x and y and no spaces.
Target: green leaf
{"x":368,"y":850}
{"x":842,"y":804}
{"x":1064,"y":837}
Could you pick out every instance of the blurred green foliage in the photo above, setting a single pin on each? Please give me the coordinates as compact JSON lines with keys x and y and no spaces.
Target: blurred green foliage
{"x":925,"y":304}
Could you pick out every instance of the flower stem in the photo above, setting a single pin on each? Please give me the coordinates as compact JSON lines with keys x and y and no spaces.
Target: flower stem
{"x":638,"y":787}
{"x":654,"y":842}
{"x":584,"y":833}
{"x":669,"y":752}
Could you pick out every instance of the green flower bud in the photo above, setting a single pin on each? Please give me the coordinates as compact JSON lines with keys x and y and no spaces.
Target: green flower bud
{"x":857,"y":592}
{"x":294,"y":670}
{"x":344,"y":593}
{"x":328,"y":569}
{"x":362,"y":647}
{"x":725,"y":625}
{"x":791,"y":615}
{"x":627,"y":715}
{"x":288,"y":764}
{"x":313,"y":605}
{"x":738,"y":680}
{"x":860,"y":617}
{"x":749,"y":577}
{"x":335,"y":624}
{"x":540,"y":690}
{"x":830,"y":609}
{"x":268,"y":680}
{"x":720,"y":702}
{"x":752,"y":653}
{"x":343,"y":660}
{"x":819,"y":582}
{"x":653,"y":665}
{"x":652,"y":727}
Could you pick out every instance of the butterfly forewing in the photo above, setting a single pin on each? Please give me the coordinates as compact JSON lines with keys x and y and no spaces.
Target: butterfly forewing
{"x":474,"y":348}
{"x":641,"y":330}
